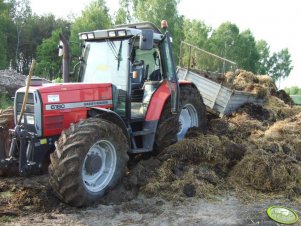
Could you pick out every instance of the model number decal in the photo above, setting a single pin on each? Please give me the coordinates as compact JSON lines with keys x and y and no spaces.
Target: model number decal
{"x":50,"y":107}
{"x":57,"y":106}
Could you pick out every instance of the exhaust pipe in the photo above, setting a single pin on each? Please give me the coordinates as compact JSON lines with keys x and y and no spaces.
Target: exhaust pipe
{"x":66,"y":58}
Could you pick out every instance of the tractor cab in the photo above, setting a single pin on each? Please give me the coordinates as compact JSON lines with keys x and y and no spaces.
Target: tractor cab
{"x":135,"y":59}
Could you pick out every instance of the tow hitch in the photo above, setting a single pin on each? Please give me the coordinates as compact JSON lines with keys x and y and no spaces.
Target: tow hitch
{"x":26,"y":151}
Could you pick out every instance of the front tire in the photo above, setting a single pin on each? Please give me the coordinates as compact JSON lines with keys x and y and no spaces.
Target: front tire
{"x":90,"y":158}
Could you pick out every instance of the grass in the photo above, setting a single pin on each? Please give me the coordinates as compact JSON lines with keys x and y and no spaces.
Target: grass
{"x":5,"y":101}
{"x":7,"y":219}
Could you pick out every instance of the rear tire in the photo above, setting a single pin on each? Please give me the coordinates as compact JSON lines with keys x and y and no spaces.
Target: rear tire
{"x":90,"y":158}
{"x":170,"y":127}
{"x":192,"y":111}
{"x":6,"y":123}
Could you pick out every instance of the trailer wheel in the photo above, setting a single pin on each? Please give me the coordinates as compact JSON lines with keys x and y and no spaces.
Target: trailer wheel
{"x":6,"y":123}
{"x":172,"y":128}
{"x":90,"y":158}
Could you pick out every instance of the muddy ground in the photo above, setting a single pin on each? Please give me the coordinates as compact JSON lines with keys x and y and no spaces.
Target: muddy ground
{"x":29,"y":201}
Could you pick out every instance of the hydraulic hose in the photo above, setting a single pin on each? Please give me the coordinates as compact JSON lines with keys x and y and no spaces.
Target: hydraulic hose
{"x":27,"y":89}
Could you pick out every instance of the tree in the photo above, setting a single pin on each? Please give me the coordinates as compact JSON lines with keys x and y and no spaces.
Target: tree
{"x":246,"y":54}
{"x":123,"y":14}
{"x":20,"y":13}
{"x":280,"y":65}
{"x":94,"y":17}
{"x":196,"y":32}
{"x":263,"y":64}
{"x":223,"y":41}
{"x":228,"y":42}
{"x":157,"y":10}
{"x":48,"y":62}
{"x":6,"y":27}
{"x":294,"y":90}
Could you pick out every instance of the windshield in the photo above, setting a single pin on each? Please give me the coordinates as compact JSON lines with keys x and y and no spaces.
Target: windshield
{"x":106,"y":62}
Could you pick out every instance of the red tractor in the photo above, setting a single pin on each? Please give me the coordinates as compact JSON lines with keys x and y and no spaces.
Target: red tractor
{"x":127,"y":100}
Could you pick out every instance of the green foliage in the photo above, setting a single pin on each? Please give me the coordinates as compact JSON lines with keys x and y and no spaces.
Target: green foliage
{"x":296,"y":99}
{"x":157,"y":10}
{"x":294,"y":90}
{"x":263,"y":64}
{"x":3,"y":51}
{"x":22,"y":34}
{"x":48,"y":62}
{"x":5,"y":101}
{"x":94,"y":17}
{"x":20,"y":14}
{"x":223,"y":40}
{"x":58,"y":80}
{"x":123,"y":14}
{"x":246,"y":55}
{"x":280,"y":64}
{"x":196,"y":32}
{"x":228,"y":42}
{"x":6,"y":27}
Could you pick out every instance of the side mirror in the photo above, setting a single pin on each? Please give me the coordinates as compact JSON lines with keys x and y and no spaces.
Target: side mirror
{"x":146,"y":39}
{"x":60,"y":47}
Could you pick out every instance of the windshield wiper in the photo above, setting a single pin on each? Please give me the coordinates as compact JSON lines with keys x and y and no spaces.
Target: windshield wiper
{"x":117,"y":55}
{"x":119,"y":58}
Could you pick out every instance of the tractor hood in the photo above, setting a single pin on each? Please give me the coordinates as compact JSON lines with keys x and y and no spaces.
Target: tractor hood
{"x":71,"y":92}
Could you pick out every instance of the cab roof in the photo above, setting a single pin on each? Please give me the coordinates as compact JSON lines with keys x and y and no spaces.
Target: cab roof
{"x":120,"y":31}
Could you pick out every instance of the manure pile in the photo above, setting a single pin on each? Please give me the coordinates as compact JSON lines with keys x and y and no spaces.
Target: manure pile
{"x":255,"y":151}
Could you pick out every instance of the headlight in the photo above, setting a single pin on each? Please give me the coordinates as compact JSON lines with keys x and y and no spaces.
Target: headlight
{"x":121,"y":33}
{"x":111,"y":34}
{"x":30,"y":119}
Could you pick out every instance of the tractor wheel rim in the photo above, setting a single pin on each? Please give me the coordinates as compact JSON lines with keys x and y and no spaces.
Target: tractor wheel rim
{"x":188,"y":118}
{"x":99,"y":166}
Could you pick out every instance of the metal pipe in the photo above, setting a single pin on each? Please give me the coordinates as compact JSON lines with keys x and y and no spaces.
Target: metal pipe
{"x":66,"y":58}
{"x":26,"y":91}
{"x":204,"y":51}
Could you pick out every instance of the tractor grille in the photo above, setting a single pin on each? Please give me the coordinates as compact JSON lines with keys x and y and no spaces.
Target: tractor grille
{"x":28,"y":119}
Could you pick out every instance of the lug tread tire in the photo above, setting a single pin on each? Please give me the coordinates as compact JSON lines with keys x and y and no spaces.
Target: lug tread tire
{"x":71,"y":149}
{"x":168,"y":125}
{"x":6,"y":123}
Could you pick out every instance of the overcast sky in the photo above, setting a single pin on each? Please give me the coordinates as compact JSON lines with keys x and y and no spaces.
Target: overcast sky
{"x":276,"y":21}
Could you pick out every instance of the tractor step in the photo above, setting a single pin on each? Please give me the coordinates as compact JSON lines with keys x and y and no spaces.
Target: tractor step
{"x":140,"y":150}
{"x":142,"y":132}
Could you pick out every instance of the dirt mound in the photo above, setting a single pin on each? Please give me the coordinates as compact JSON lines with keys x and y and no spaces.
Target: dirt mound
{"x":280,"y":109}
{"x":273,"y":161}
{"x":194,"y":166}
{"x":11,"y":80}
{"x":282,"y":95}
{"x":268,"y":172}
{"x":256,"y":149}
{"x":21,"y":196}
{"x":261,"y":85}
